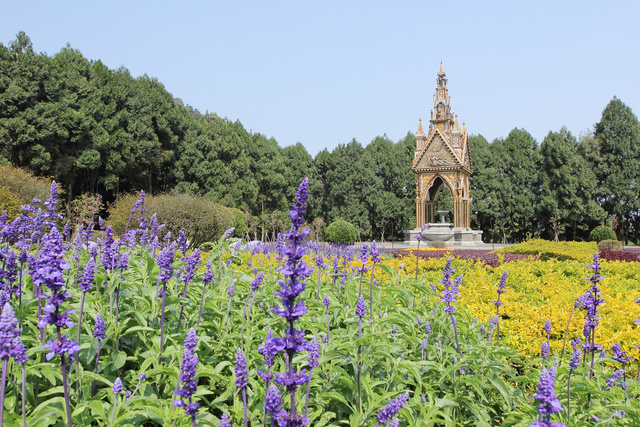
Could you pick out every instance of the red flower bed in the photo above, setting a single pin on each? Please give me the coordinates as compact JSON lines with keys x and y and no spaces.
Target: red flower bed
{"x":625,"y":255}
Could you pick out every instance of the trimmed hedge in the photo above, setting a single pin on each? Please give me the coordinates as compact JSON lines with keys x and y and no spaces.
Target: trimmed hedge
{"x":200,"y":219}
{"x":611,"y":245}
{"x":545,"y":249}
{"x":341,"y":232}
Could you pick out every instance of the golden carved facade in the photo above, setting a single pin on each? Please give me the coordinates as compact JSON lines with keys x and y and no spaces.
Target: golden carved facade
{"x":441,"y":160}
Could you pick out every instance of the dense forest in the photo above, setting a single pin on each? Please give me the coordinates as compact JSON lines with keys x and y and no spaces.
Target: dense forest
{"x":101,"y":131}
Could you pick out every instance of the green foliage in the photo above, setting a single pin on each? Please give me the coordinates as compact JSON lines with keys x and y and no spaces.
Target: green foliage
{"x":618,"y":165}
{"x":544,"y":249}
{"x":610,"y":245}
{"x":85,"y":208}
{"x":238,"y":222}
{"x":341,"y":231}
{"x":200,"y":219}
{"x":567,"y":200}
{"x":602,"y":232}
{"x":18,"y":187}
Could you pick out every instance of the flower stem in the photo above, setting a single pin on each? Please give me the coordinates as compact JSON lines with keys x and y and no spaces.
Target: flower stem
{"x":3,"y":385}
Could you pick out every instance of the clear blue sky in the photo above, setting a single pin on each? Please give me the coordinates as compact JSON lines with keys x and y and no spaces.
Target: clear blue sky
{"x":322,"y":73}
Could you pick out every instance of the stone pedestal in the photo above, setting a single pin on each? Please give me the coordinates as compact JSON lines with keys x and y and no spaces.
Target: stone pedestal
{"x":445,"y":233}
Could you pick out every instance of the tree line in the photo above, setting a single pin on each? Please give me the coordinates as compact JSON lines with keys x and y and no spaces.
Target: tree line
{"x":102,"y":131}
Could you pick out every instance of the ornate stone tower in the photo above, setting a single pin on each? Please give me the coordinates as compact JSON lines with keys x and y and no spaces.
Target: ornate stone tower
{"x":442,"y":160}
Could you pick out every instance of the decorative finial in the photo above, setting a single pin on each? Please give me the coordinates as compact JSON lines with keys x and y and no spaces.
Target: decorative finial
{"x":441,"y":72}
{"x":420,"y":132}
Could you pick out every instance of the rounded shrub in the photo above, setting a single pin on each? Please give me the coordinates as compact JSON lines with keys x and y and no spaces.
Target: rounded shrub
{"x":19,"y":187}
{"x":200,"y":219}
{"x":341,"y":231}
{"x":602,"y":232}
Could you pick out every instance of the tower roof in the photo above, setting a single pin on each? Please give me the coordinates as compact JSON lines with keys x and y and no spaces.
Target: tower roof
{"x":441,"y":72}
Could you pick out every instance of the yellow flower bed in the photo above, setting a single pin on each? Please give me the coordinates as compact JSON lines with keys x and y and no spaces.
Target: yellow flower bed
{"x":542,"y":290}
{"x":536,"y":291}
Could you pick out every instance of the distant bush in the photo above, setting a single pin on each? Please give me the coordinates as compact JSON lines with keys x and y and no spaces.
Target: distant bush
{"x":239,"y":223}
{"x":200,"y":219}
{"x":18,"y":187}
{"x":602,"y":232}
{"x":341,"y":231}
{"x":544,"y":250}
{"x":611,"y":245}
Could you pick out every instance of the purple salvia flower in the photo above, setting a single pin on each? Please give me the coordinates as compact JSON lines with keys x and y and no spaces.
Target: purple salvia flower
{"x":427,"y":327}
{"x":62,"y":346}
{"x":224,"y":421}
{"x":191,"y":341}
{"x":181,"y":241}
{"x":99,"y":328}
{"x":295,"y":272}
{"x":361,"y":307}
{"x":117,"y":386}
{"x":268,"y":350}
{"x":546,"y":395}
{"x":9,"y":331}
{"x":188,"y":377}
{"x":273,"y":401}
{"x":314,"y":353}
{"x":547,"y":327}
{"x":165,"y":263}
{"x":232,"y":290}
{"x":241,"y":369}
{"x":419,"y":321}
{"x":575,"y":359}
{"x":20,"y":351}
{"x":394,"y":331}
{"x":229,"y":232}
{"x":255,"y":284}
{"x":619,"y":355}
{"x":544,"y":353}
{"x":615,"y":377}
{"x":86,"y":280}
{"x":388,"y":412}
{"x":325,"y":301}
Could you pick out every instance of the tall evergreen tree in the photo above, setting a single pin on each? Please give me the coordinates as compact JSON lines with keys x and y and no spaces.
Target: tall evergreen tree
{"x":618,"y":168}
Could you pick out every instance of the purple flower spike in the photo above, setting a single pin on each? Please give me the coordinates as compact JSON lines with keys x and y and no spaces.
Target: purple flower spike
{"x":547,"y":326}
{"x":224,"y":421}
{"x":546,"y":395}
{"x":387,"y":413}
{"x":427,"y":327}
{"x":99,"y":328}
{"x":325,"y":301}
{"x":20,"y":350}
{"x":241,"y":369}
{"x":575,"y":359}
{"x":192,"y":340}
{"x":255,"y":284}
{"x":8,"y":331}
{"x":361,"y":307}
{"x":188,"y":376}
{"x":314,"y":353}
{"x":273,"y":400}
{"x":544,"y":353}
{"x":117,"y":386}
{"x":86,"y":281}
